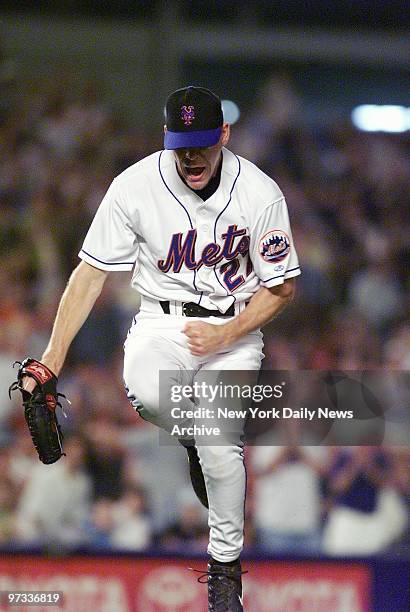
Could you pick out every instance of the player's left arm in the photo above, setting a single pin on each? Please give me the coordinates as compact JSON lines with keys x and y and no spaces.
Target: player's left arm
{"x":267,"y":303}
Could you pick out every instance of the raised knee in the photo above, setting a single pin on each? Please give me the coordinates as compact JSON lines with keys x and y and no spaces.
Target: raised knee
{"x":144,"y":398}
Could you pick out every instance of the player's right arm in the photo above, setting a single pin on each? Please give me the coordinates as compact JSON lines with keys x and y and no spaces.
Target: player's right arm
{"x":80,"y":295}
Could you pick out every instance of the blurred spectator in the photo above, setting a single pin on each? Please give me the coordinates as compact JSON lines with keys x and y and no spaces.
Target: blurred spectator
{"x":105,"y":458}
{"x":100,"y":524}
{"x":375,"y":293}
{"x":279,"y":354}
{"x":276,"y":109}
{"x":287,"y":498}
{"x":161,"y":469}
{"x":132,"y":530}
{"x":189,"y":533}
{"x":367,"y":514}
{"x":397,"y":349}
{"x":22,"y":457}
{"x":119,"y":525}
{"x":7,"y":510}
{"x":101,"y":335}
{"x":55,"y":501}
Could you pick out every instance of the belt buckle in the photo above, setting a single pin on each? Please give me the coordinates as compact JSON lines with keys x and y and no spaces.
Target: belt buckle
{"x":188,"y":309}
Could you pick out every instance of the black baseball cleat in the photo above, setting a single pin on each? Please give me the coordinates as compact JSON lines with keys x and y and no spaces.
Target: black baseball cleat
{"x":224,"y":587}
{"x":196,"y":474}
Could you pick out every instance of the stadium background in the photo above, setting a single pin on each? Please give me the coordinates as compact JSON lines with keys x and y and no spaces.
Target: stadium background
{"x":82,"y":88}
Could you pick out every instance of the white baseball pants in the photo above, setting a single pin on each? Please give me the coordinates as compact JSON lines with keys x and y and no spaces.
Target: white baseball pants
{"x":156,"y":343}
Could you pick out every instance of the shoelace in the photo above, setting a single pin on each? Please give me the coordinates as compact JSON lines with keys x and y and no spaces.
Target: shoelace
{"x":207,"y":574}
{"x":220,"y":590}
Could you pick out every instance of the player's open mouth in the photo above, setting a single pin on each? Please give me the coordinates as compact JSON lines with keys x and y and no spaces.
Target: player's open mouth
{"x":194,"y":173}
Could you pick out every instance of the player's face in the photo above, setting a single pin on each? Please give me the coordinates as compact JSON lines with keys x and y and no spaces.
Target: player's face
{"x":197,"y":166}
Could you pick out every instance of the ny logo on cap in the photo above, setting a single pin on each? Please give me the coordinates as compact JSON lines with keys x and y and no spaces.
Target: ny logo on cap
{"x":187,"y":114}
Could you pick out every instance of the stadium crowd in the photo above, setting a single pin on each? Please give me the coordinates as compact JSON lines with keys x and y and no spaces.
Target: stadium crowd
{"x":118,"y":488}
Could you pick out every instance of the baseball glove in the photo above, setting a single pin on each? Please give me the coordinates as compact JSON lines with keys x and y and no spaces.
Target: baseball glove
{"x":40,"y":409}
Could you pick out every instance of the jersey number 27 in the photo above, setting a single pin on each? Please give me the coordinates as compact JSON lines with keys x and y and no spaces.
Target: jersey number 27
{"x":229,"y":269}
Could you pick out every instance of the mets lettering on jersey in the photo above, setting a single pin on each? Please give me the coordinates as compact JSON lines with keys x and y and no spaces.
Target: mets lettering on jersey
{"x":184,"y":254}
{"x":183,"y":248}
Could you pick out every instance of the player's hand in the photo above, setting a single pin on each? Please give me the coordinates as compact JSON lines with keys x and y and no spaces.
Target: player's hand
{"x":28,"y":384}
{"x":204,"y":338}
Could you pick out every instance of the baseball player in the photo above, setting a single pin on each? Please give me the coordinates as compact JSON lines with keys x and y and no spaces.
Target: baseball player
{"x":207,"y":238}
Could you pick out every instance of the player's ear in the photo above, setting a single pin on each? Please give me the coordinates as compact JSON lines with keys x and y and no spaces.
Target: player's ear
{"x":165,"y":128}
{"x":226,"y":132}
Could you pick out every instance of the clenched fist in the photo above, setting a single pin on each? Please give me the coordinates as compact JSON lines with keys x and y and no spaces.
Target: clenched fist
{"x":205,"y":338}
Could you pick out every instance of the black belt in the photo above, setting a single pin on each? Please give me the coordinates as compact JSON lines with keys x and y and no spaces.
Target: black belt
{"x":190,"y":309}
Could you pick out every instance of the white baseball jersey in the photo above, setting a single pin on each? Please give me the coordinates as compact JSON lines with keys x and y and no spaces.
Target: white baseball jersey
{"x":214,"y":252}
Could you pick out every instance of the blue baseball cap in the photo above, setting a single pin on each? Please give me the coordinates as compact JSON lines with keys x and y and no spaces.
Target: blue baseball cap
{"x":193,"y":117}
